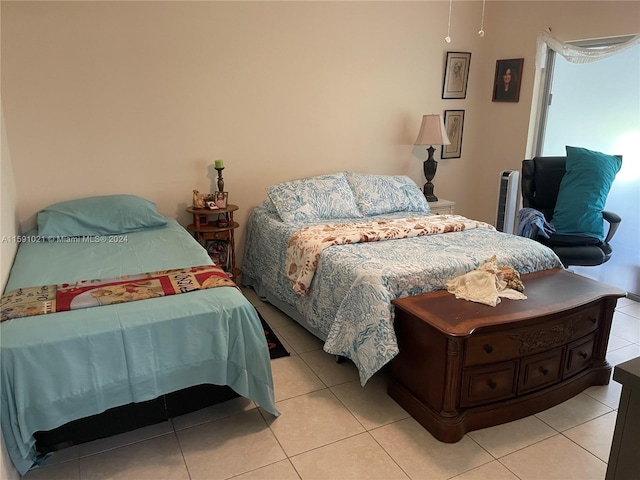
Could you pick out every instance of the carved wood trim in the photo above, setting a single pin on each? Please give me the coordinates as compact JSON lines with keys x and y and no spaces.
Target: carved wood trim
{"x":546,"y":337}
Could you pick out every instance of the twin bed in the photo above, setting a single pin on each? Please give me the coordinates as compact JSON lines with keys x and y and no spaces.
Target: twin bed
{"x":58,"y":368}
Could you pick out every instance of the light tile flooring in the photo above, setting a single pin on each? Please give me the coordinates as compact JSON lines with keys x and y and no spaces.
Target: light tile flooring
{"x":332,"y":428}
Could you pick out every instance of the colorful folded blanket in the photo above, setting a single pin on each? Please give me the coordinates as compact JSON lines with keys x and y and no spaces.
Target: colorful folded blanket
{"x":24,"y":302}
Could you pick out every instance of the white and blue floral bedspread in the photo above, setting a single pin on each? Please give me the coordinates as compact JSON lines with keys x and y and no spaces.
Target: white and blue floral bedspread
{"x":349,"y":300}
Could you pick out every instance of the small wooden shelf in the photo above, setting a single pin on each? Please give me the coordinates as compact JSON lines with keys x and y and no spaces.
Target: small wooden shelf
{"x":206,"y":230}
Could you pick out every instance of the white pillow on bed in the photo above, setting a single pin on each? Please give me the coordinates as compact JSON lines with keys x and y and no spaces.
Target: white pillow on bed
{"x":103,"y":215}
{"x":377,"y":194}
{"x":314,"y":198}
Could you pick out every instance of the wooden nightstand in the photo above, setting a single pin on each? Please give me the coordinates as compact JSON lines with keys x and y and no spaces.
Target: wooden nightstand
{"x":214,"y":229}
{"x":442,"y":207}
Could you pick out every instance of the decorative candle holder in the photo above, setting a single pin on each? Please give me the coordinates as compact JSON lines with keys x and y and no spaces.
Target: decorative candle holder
{"x":220,"y":179}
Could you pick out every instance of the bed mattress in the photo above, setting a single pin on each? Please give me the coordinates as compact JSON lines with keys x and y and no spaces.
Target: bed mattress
{"x":348,"y":303}
{"x":69,"y":365}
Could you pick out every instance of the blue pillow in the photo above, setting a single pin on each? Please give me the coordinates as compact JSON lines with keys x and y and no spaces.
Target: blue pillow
{"x":377,"y":194}
{"x":583,"y":193}
{"x":104,"y":215}
{"x":314,"y":198}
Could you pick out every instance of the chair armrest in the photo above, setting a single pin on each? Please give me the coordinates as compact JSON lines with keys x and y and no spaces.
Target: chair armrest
{"x":614,"y":222}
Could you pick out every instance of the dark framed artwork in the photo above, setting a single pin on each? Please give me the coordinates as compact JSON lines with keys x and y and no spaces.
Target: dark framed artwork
{"x":453,"y":124}
{"x":507,"y":80}
{"x":456,"y":75}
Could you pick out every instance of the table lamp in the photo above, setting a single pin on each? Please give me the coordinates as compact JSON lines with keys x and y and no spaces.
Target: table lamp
{"x":432,"y":132}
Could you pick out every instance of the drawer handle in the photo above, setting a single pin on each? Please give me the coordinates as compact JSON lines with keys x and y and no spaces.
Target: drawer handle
{"x":492,"y":384}
{"x":487,"y":348}
{"x":594,"y":320}
{"x":544,"y":371}
{"x":584,"y":355}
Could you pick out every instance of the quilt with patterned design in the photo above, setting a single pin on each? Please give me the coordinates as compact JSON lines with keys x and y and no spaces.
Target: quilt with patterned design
{"x":348,"y":301}
{"x":306,"y":244}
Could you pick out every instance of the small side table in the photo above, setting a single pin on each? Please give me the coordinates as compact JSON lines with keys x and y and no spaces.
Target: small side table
{"x":624,"y":460}
{"x":442,"y":207}
{"x":214,"y":230}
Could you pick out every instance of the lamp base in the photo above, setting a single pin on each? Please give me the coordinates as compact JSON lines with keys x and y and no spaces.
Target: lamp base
{"x":428,"y":192}
{"x":430,"y":166}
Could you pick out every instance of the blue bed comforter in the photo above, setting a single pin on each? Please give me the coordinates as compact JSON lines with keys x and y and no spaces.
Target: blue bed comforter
{"x":349,"y":300}
{"x":60,"y":367}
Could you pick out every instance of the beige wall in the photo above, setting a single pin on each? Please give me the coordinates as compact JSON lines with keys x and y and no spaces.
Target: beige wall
{"x":8,"y":211}
{"x":141,"y":97}
{"x":504,"y":127}
{"x":8,"y":229}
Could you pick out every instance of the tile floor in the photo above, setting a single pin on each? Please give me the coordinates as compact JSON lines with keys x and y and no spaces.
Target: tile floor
{"x":332,"y":428}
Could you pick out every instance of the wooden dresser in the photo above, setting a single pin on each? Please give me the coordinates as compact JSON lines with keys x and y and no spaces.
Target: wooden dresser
{"x":465,"y":365}
{"x":624,"y":461}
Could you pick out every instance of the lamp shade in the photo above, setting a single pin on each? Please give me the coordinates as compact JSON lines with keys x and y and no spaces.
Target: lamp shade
{"x":432,"y":131}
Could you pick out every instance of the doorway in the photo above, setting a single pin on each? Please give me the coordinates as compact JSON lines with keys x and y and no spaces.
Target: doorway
{"x":597,"y":106}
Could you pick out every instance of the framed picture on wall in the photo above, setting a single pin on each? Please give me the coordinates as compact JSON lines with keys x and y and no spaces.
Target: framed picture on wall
{"x":506,"y":83}
{"x":453,"y":123}
{"x":456,"y":75}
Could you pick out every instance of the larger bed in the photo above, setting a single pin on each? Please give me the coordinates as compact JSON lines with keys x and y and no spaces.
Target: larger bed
{"x":61,"y":367}
{"x":348,"y":300}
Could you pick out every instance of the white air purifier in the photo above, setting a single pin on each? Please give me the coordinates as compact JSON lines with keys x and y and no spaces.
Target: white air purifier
{"x":507,"y":201}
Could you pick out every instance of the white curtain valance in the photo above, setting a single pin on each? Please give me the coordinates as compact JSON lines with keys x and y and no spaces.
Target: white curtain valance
{"x":575,"y":54}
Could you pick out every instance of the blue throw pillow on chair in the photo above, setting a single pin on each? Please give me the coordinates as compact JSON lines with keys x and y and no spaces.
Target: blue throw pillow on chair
{"x":583,"y":193}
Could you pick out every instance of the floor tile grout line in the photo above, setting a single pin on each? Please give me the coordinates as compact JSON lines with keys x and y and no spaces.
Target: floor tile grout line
{"x":184,"y":459}
{"x":473,"y":468}
{"x":511,"y":471}
{"x":585,"y":449}
{"x":317,"y":375}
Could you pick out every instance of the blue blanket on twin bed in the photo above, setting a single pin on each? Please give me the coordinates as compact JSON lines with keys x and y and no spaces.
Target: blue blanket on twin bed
{"x":348,"y":303}
{"x":61,"y":367}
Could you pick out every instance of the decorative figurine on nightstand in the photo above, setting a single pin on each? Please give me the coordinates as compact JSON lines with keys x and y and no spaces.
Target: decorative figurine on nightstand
{"x":198,"y":199}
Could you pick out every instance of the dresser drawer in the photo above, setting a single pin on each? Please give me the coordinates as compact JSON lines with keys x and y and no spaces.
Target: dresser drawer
{"x":488,"y":384}
{"x":579,"y":355}
{"x":540,"y":370}
{"x":488,"y":348}
{"x":223,"y":235}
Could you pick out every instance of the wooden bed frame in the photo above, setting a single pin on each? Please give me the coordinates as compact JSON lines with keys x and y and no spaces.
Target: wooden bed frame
{"x":464,"y":365}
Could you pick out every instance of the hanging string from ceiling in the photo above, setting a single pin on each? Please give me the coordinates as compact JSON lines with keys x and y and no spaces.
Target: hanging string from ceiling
{"x":481,"y":31}
{"x":448,"y":37}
